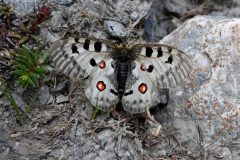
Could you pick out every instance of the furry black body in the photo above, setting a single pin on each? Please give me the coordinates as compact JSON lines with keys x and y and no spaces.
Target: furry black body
{"x":124,"y":59}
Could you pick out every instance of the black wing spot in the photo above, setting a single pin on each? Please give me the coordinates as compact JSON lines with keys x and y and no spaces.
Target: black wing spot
{"x":160,"y":54}
{"x":149,"y":51}
{"x":170,"y":49}
{"x":128,"y":93}
{"x":113,"y":92}
{"x":78,"y":68}
{"x":162,"y":78}
{"x":167,"y":73}
{"x":76,"y":39}
{"x":86,"y":44}
{"x":98,"y":46}
{"x":170,"y":60}
{"x":93,"y":62}
{"x":74,"y":48}
{"x":73,"y":61}
{"x":65,"y":56}
{"x":150,"y":68}
{"x":113,"y":65}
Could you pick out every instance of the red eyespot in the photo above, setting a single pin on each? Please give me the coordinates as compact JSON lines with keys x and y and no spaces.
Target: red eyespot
{"x":101,"y":86}
{"x":102,"y":64}
{"x":143,"y":88}
{"x":142,"y":67}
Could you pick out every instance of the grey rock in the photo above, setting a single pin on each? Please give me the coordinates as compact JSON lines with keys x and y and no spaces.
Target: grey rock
{"x":44,"y":96}
{"x":212,"y":99}
{"x":64,"y":2}
{"x":134,"y":16}
{"x":22,"y":7}
{"x":235,"y":149}
{"x":56,"y":20}
{"x":49,"y":35}
{"x":223,"y":153}
{"x":115,"y":29}
{"x":62,"y":99}
{"x":19,"y":101}
{"x":60,"y":87}
{"x":84,"y":23}
{"x":20,"y":148}
{"x":5,"y":153}
{"x":187,"y":133}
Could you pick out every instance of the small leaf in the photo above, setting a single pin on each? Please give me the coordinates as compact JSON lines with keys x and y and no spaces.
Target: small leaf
{"x":36,"y":37}
{"x":40,"y":70}
{"x":21,"y":61}
{"x":14,"y":35}
{"x":30,"y":54}
{"x":33,"y":80}
{"x":24,"y":40}
{"x":20,"y":72}
{"x":23,"y":27}
{"x":44,"y":57}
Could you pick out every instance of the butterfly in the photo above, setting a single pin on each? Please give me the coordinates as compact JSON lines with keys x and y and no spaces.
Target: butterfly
{"x":114,"y":72}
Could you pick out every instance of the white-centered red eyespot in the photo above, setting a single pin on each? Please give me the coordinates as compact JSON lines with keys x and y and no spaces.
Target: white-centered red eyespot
{"x":101,"y":86}
{"x":143,"y":88}
{"x":142,"y":67}
{"x":102,"y":64}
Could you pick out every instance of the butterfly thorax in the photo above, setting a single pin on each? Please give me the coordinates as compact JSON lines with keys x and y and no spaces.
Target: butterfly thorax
{"x":124,"y":59}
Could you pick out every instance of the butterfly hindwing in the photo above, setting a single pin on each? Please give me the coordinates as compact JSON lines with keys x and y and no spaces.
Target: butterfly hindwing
{"x":101,"y":87}
{"x":157,"y":67}
{"x":140,"y":92}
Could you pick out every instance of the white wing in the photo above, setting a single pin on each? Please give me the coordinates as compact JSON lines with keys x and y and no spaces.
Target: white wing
{"x":140,"y":92}
{"x":101,"y":88}
{"x":85,"y":58}
{"x":158,"y":66}
{"x":76,"y":58}
{"x":166,"y":65}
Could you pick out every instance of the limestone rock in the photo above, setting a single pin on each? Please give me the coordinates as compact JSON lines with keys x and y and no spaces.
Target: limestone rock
{"x":212,"y":91}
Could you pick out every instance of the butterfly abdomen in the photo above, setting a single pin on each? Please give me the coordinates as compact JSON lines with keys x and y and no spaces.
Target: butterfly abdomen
{"x":122,"y":74}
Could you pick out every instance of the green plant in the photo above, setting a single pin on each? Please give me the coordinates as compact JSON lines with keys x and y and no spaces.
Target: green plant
{"x":29,"y":66}
{"x":7,"y":93}
{"x":96,"y":111}
{"x":28,"y":30}
{"x":6,"y":11}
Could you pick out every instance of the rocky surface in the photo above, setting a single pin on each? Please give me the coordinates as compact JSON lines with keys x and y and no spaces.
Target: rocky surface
{"x":201,"y":120}
{"x":213,"y":89}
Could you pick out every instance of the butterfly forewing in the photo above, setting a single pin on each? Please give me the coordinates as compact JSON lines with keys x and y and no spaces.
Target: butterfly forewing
{"x":170,"y":66}
{"x":76,"y":58}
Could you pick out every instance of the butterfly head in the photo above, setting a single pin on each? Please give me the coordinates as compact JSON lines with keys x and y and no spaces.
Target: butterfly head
{"x":123,"y":46}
